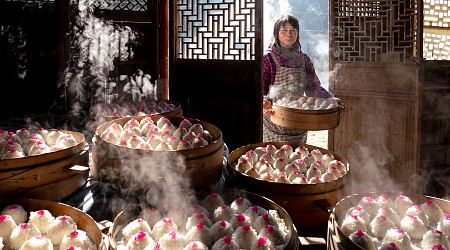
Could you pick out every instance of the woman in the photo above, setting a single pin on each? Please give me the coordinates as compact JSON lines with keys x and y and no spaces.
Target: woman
{"x":288,"y":71}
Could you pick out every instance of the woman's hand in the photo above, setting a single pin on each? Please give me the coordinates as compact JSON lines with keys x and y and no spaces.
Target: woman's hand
{"x":267,"y":108}
{"x":340,"y":103}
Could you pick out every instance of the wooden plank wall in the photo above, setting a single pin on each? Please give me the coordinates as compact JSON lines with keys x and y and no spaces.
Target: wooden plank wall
{"x":435,"y":128}
{"x":378,"y":133}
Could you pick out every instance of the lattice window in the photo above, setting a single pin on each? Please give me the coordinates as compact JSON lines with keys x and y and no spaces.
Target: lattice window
{"x":436,"y":31}
{"x":374,"y":31}
{"x":131,"y":5}
{"x":216,"y":29}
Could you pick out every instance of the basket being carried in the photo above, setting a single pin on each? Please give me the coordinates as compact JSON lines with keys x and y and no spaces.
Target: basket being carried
{"x":307,"y":113}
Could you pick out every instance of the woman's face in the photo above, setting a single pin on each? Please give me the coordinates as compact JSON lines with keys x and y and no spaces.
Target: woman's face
{"x":287,"y":35}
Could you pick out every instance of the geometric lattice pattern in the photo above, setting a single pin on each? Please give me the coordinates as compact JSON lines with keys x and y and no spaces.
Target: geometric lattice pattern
{"x":216,"y":29}
{"x":436,"y":35}
{"x":374,"y":31}
{"x":131,"y":5}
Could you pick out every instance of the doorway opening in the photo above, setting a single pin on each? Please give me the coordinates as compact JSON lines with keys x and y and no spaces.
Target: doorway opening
{"x":313,"y":17}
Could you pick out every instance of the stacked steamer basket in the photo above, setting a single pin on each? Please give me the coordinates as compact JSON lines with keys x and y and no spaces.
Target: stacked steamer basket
{"x":145,"y":107}
{"x":83,"y":221}
{"x":51,"y":176}
{"x":410,"y":221}
{"x":140,"y":168}
{"x":308,"y":204}
{"x":211,"y":204}
{"x":307,"y":113}
{"x":102,"y":112}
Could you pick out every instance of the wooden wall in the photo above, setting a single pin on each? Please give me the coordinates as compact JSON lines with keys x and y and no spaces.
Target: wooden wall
{"x":379,"y":127}
{"x":434,"y":165}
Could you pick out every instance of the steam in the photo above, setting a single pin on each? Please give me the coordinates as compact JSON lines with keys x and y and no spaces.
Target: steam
{"x":368,"y":168}
{"x":92,"y":83}
{"x":320,"y":58}
{"x":160,"y":177}
{"x":91,"y":76}
{"x":285,"y":89}
{"x":94,"y":49}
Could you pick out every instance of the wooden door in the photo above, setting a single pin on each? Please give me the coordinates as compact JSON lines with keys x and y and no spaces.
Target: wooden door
{"x":375,"y":71}
{"x":435,"y":100}
{"x":215,"y":71}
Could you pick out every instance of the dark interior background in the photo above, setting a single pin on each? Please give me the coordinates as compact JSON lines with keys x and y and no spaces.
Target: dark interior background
{"x":29,"y":57}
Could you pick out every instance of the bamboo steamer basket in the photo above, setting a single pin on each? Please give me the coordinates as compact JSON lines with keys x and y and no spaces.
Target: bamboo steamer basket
{"x":323,"y":119}
{"x":336,"y":239}
{"x":116,"y":165}
{"x":309,"y":205}
{"x":8,"y":164}
{"x":177,"y":111}
{"x":228,"y":194}
{"x":50,"y":176}
{"x":84,"y":221}
{"x":98,"y":117}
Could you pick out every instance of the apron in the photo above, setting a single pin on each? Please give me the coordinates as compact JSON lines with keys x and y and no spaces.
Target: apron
{"x":293,"y":83}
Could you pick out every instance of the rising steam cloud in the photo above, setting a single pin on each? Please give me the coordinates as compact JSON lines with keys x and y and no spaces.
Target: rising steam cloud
{"x":159,"y":177}
{"x":95,"y":45}
{"x":91,"y":78}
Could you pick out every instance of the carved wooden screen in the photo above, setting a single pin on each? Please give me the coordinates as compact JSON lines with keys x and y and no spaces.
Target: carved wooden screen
{"x":218,"y":43}
{"x":374,"y":31}
{"x":137,"y":5}
{"x":216,"y":29}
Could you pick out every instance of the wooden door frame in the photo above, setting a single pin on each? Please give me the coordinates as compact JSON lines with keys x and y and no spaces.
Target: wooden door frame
{"x":254,"y":73}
